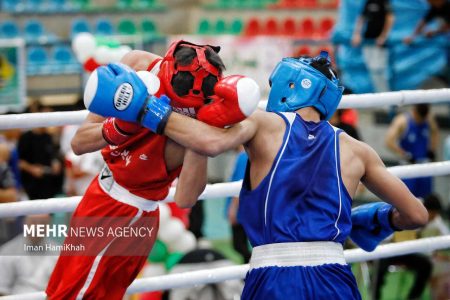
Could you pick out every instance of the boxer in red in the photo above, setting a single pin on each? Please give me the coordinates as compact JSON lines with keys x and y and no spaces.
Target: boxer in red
{"x":140,"y":165}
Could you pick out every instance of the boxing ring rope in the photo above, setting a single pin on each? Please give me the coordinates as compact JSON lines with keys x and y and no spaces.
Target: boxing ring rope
{"x":32,"y":120}
{"x":221,"y":190}
{"x":188,"y":279}
{"x":212,"y":191}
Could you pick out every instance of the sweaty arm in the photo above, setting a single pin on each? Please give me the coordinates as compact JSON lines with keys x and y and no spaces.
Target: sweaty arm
{"x":192,"y":180}
{"x":89,"y":137}
{"x":409,"y":212}
{"x":209,"y":140}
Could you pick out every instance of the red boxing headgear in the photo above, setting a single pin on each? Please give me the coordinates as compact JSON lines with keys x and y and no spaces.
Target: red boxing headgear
{"x":200,"y":68}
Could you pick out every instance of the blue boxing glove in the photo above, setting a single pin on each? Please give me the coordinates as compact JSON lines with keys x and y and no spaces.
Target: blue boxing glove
{"x":371,"y":224}
{"x":118,"y":91}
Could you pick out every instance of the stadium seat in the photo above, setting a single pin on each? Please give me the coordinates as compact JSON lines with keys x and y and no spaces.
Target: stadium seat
{"x":236,"y":26}
{"x":204,"y":27}
{"x":253,"y":27}
{"x":59,"y":5}
{"x":35,"y":5}
{"x":146,"y":4}
{"x":104,"y":27}
{"x":13,"y":5}
{"x":307,"y":28}
{"x":79,"y":25}
{"x":220,"y":27}
{"x":303,"y":50}
{"x":148,"y":28}
{"x":271,"y":27}
{"x":289,"y":27}
{"x":35,"y":32}
{"x":63,"y":60}
{"x":9,"y":30}
{"x":308,"y":3}
{"x":126,"y":27}
{"x":287,"y":3}
{"x":80,"y":4}
{"x":37,"y":61}
{"x":127,"y":4}
{"x":325,"y":27}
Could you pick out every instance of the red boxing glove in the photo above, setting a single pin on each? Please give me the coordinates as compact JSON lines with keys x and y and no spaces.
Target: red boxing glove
{"x":236,"y":97}
{"x":116,"y":131}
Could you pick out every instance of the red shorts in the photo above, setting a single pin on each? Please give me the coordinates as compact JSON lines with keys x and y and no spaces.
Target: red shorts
{"x":103,"y":271}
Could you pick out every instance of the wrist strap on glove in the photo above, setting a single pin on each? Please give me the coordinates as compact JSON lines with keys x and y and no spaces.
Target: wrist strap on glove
{"x":156,"y":113}
{"x":112,"y":134}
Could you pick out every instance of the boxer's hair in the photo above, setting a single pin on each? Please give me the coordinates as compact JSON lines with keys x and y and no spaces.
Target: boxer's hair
{"x":323,"y":66}
{"x":183,"y":81}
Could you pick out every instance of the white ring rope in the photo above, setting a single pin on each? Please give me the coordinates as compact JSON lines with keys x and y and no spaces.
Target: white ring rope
{"x":206,"y":276}
{"x":32,"y":120}
{"x":212,"y":191}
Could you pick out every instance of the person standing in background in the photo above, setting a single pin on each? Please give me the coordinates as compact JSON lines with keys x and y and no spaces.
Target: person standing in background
{"x":414,"y":138}
{"x":375,"y":23}
{"x":439,"y":9}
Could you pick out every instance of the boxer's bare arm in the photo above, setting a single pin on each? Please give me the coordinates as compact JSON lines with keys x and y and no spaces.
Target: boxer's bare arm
{"x":139,"y":60}
{"x":88,"y":137}
{"x":409,"y":212}
{"x":209,"y":140}
{"x":192,"y":180}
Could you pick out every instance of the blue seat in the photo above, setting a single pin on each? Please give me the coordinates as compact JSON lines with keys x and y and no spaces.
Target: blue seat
{"x":37,"y":61}
{"x":35,"y":33}
{"x":35,"y":5}
{"x":13,"y":5}
{"x":60,"y":5}
{"x":9,"y":30}
{"x":80,"y":25}
{"x":63,"y":60}
{"x":104,"y":27}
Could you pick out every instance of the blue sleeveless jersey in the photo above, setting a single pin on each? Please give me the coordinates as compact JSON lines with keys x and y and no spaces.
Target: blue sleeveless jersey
{"x":303,"y":197}
{"x":416,"y":138}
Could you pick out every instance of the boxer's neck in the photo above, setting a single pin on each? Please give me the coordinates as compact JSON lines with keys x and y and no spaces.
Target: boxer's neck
{"x":309,"y":114}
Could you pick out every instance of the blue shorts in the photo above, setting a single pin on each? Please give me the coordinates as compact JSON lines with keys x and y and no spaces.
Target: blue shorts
{"x":327,"y":282}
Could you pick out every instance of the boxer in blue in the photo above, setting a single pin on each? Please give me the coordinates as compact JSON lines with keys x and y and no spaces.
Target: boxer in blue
{"x":295,"y":202}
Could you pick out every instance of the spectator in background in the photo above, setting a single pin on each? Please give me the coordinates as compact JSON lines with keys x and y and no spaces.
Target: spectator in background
{"x":39,"y":161}
{"x":336,"y":120}
{"x":79,"y":169}
{"x":240,"y":241}
{"x":26,"y":271}
{"x":10,"y":138}
{"x":418,"y":263}
{"x":376,"y":20}
{"x":441,"y":259}
{"x":436,"y":225}
{"x":439,"y":9}
{"x":8,"y":192}
{"x":414,"y":138}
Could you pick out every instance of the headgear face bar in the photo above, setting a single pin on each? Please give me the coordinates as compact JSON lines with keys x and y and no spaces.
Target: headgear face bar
{"x":200,"y":68}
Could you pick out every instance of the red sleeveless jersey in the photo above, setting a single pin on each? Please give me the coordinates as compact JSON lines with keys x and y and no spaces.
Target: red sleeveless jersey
{"x":139,"y":166}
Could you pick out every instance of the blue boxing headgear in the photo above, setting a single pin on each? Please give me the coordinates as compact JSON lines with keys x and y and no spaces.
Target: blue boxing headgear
{"x":296,"y":84}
